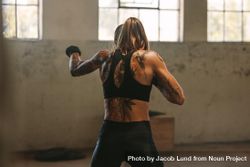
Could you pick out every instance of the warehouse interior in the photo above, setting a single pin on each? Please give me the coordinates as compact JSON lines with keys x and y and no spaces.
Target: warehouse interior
{"x":43,"y":106}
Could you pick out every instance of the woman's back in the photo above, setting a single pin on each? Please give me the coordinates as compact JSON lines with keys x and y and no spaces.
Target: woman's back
{"x":127,"y":77}
{"x":127,"y":82}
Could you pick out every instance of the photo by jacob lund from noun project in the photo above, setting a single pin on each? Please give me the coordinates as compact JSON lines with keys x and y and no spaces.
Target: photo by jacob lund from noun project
{"x":191,"y":158}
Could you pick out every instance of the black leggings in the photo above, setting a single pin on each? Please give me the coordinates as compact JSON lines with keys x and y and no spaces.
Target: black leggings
{"x":131,"y":142}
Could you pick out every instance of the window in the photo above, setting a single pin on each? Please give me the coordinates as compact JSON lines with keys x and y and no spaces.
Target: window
{"x":161,"y":18}
{"x":228,"y":20}
{"x":21,"y":19}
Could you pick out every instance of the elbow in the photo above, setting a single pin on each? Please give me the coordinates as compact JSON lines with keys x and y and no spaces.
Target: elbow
{"x":175,"y":97}
{"x":73,"y":73}
{"x":176,"y":100}
{"x":181,"y":100}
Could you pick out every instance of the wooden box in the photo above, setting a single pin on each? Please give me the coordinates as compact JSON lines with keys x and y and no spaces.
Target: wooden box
{"x":163,"y":132}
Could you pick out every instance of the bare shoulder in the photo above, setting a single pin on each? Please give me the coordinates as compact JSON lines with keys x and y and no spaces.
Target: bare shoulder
{"x":153,"y":57}
{"x":149,"y":56}
{"x":145,"y":53}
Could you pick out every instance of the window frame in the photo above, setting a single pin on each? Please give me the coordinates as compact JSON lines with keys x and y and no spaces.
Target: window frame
{"x":159,"y":9}
{"x":224,"y":12}
{"x":39,"y":22}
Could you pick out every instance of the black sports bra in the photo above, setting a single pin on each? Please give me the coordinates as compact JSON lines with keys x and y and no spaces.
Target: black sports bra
{"x":129,"y":88}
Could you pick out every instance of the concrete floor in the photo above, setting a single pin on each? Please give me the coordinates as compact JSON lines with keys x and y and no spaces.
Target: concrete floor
{"x":214,"y":151}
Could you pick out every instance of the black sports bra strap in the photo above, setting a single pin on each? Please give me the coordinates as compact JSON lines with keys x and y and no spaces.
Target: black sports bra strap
{"x":130,"y":87}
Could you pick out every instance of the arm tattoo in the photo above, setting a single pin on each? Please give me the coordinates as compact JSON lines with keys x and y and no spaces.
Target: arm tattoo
{"x":78,"y":67}
{"x":120,"y":108}
{"x":167,"y":84}
{"x":171,"y":92}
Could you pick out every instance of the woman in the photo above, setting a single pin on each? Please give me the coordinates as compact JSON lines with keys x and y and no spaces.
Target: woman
{"x":127,"y":75}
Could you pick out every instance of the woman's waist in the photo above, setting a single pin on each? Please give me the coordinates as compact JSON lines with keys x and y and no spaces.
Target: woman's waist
{"x":121,"y":109}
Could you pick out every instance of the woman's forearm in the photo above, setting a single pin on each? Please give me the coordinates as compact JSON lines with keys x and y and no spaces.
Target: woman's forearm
{"x":78,"y":67}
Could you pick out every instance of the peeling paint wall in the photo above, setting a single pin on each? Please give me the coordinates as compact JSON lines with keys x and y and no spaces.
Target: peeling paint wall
{"x":54,"y":109}
{"x":215,"y":78}
{"x":50,"y":108}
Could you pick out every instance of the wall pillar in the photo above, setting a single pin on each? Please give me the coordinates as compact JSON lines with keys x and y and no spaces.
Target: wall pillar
{"x":195,"y":20}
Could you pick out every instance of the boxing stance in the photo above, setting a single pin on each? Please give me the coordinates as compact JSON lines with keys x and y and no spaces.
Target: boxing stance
{"x":127,"y":75}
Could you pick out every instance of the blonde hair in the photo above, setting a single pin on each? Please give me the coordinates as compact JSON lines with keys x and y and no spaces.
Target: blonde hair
{"x":132,"y":36}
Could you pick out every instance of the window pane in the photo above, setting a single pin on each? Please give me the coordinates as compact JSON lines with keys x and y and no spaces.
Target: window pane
{"x":215,"y":26}
{"x":150,"y":25}
{"x":108,"y":3}
{"x":247,"y":26}
{"x":139,"y":3}
{"x":27,"y":22}
{"x":215,"y":4}
{"x":9,"y":22}
{"x":169,"y":4}
{"x":233,"y":5}
{"x":27,"y":2}
{"x":8,"y":1}
{"x":169,"y":25}
{"x":126,"y":13}
{"x":107,"y":23}
{"x":233,"y":26}
{"x":246,"y":4}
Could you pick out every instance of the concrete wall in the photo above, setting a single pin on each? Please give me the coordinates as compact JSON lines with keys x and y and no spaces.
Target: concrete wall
{"x":74,"y":19}
{"x":50,"y":108}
